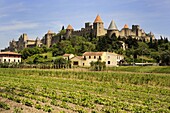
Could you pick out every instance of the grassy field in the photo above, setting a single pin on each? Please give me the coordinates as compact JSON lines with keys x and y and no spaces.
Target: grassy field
{"x":83,"y":91}
{"x":144,"y":69}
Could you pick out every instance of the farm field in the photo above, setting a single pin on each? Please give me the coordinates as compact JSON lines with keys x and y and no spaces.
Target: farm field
{"x":142,"y":69}
{"x":59,"y":91}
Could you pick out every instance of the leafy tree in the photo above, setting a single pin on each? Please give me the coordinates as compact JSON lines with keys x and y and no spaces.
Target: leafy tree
{"x":165,"y":57}
{"x":143,"y":49}
{"x":60,"y":62}
{"x":156,"y":56}
{"x":98,"y":65}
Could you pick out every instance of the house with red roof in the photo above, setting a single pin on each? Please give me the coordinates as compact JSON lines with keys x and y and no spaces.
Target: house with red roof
{"x":111,"y":59}
{"x":10,"y":57}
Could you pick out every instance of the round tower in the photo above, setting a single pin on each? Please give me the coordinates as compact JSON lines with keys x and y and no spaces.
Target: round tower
{"x":112,"y":29}
{"x":126,"y":30}
{"x":48,"y":38}
{"x":69,"y":31}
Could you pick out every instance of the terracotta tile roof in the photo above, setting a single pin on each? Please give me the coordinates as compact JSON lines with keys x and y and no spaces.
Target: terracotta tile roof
{"x":66,"y":55}
{"x":126,"y":26}
{"x":9,"y":53}
{"x":79,"y":57}
{"x":69,"y":27}
{"x":98,"y":19}
{"x":93,"y":54}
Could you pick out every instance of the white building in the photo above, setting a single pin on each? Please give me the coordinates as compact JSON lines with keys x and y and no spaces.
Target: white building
{"x":68,"y":56}
{"x":111,"y":59}
{"x":10,"y":57}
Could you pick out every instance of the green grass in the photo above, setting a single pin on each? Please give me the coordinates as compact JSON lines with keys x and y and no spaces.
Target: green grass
{"x":43,"y":59}
{"x":87,"y":91}
{"x":144,"y":69}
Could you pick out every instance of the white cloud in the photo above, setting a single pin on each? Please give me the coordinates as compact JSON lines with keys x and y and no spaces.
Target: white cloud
{"x":11,"y":8}
{"x":18,"y":26}
{"x":3,"y":15}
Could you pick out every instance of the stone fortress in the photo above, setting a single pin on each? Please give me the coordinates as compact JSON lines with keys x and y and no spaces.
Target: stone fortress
{"x":95,"y":30}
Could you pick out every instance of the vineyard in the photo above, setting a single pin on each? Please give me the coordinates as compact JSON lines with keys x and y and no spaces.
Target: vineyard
{"x":63,"y":91}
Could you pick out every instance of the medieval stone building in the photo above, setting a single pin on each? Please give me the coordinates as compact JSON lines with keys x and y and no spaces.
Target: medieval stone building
{"x":91,"y":30}
{"x":23,"y":42}
{"x":97,"y":29}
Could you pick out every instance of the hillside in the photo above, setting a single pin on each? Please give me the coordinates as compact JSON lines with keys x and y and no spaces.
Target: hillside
{"x":136,"y":50}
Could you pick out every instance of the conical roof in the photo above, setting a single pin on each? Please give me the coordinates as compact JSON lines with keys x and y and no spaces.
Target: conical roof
{"x":112,"y":26}
{"x":98,"y":19}
{"x":69,"y":27}
{"x":49,"y":32}
{"x":126,"y":26}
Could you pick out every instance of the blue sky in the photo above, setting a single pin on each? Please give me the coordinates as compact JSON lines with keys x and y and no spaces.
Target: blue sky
{"x":36,"y":17}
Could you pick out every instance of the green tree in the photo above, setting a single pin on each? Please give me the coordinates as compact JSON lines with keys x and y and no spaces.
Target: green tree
{"x":156,"y":56}
{"x":143,"y":49}
{"x":61,"y":62}
{"x":165,"y":57}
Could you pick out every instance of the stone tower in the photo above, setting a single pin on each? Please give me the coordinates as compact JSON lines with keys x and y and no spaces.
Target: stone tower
{"x":112,"y":29}
{"x":69,"y":31}
{"x":48,"y":38}
{"x":136,"y":30}
{"x":98,"y":27}
{"x":126,"y":30}
{"x":22,"y":42}
{"x":38,"y":42}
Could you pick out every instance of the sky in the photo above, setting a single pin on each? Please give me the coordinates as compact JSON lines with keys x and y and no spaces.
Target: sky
{"x":36,"y":17}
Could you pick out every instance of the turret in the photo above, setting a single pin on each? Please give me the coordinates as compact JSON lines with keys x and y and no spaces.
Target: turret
{"x":136,"y":29}
{"x":98,"y":27}
{"x":25,"y":37}
{"x":112,"y":29}
{"x":126,"y":30}
{"x":69,"y":31}
{"x":48,"y":38}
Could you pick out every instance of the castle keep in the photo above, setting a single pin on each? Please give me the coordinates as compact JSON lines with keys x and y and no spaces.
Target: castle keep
{"x":91,"y":30}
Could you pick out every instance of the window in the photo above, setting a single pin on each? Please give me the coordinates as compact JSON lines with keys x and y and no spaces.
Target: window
{"x":108,"y":57}
{"x":75,"y":63}
{"x":83,"y":64}
{"x":94,"y":57}
{"x":4,"y":60}
{"x":108,"y":62}
{"x":84,"y":57}
{"x":14,"y":60}
{"x":9,"y":60}
{"x":18,"y":61}
{"x":89,"y":57}
{"x":100,"y":58}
